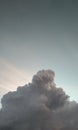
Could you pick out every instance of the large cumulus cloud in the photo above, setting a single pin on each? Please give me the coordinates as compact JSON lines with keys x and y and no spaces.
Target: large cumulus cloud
{"x":39,"y":105}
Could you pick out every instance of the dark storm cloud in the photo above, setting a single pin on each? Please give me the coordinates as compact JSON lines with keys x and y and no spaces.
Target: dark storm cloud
{"x":40,"y":105}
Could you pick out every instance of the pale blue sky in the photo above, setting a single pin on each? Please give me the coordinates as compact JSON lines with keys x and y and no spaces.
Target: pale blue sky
{"x":39,"y":35}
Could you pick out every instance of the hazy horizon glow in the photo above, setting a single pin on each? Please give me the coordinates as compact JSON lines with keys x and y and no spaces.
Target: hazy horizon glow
{"x":11,"y":77}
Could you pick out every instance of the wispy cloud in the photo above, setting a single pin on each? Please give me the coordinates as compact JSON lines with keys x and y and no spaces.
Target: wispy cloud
{"x":11,"y":77}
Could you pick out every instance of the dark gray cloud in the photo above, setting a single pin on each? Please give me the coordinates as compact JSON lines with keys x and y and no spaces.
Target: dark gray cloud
{"x":39,"y":105}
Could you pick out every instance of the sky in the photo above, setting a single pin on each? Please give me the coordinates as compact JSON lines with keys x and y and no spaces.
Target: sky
{"x":36,"y":35}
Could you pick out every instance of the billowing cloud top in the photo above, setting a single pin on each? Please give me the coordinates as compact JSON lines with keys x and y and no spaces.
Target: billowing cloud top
{"x":39,"y":105}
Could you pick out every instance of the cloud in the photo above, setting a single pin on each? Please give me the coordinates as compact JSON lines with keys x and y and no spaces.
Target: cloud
{"x":39,"y":105}
{"x":11,"y":76}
